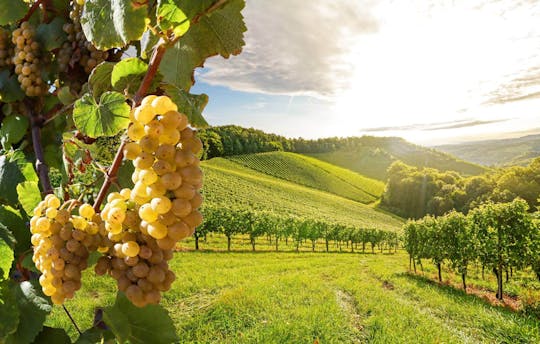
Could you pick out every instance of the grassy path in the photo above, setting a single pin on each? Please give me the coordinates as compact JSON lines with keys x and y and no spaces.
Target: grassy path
{"x":266,"y":297}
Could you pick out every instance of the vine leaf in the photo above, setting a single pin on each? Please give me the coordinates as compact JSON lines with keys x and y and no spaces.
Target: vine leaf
{"x":29,"y":195}
{"x":51,"y":35}
{"x":33,"y":309}
{"x":219,"y":33}
{"x":11,"y":11}
{"x":6,"y":253}
{"x":128,"y":74}
{"x":113,"y":23}
{"x":170,"y":16}
{"x":52,"y":335}
{"x":17,"y":235}
{"x":7,"y":236}
{"x":10,"y":176}
{"x":9,"y":312}
{"x":13,"y":130}
{"x":10,"y":89}
{"x":95,"y":335}
{"x":100,"y":78}
{"x":104,"y":119}
{"x":192,"y":105}
{"x":150,"y":324}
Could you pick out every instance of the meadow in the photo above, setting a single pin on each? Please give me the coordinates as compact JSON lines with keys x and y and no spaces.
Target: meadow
{"x":337,"y":297}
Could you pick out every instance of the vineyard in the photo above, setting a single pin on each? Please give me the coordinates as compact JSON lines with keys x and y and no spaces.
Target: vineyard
{"x":501,"y":238}
{"x":231,"y":185}
{"x":314,"y":173}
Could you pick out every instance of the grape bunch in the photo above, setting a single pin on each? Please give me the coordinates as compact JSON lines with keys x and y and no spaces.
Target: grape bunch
{"x":6,"y":49}
{"x":134,"y":259}
{"x":26,"y":60}
{"x":167,"y":176}
{"x":62,"y":243}
{"x":145,"y":223}
{"x":77,"y":50}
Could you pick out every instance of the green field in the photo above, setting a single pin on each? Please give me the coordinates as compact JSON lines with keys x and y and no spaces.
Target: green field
{"x":314,"y":173}
{"x":286,"y":297}
{"x":230,"y":184}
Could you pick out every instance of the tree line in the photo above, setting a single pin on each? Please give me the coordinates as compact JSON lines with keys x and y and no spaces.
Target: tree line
{"x":502,"y":237}
{"x":284,"y":228}
{"x":413,"y":192}
{"x":231,"y":140}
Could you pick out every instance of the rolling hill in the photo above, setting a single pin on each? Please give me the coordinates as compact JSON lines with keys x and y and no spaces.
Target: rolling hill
{"x":371,"y":157}
{"x":228,"y":183}
{"x":504,"y":152}
{"x":314,"y":173}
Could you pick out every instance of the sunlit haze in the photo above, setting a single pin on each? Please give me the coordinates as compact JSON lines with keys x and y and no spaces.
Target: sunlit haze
{"x":430,"y":71}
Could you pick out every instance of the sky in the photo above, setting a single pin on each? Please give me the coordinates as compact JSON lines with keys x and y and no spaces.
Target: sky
{"x":433,"y":72}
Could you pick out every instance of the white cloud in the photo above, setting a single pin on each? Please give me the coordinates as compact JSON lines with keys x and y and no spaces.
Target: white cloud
{"x":294,"y":47}
{"x":394,"y":63}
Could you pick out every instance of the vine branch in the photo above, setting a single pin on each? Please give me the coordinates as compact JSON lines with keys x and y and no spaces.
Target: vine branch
{"x":41,"y":167}
{"x":110,"y":176}
{"x":31,"y":11}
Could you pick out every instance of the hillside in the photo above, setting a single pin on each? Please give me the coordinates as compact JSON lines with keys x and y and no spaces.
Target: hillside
{"x":314,"y":173}
{"x":504,"y":152}
{"x":228,"y":183}
{"x":371,"y":156}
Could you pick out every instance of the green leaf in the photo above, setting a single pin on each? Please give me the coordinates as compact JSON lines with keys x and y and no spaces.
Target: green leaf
{"x":10,"y":89}
{"x":192,"y":105}
{"x":51,"y":36}
{"x":33,"y":307}
{"x":170,"y":16}
{"x":17,"y":230}
{"x":128,"y":74}
{"x":193,"y":8}
{"x":104,"y":119}
{"x":9,"y":311}
{"x":150,"y":324}
{"x":221,"y":32}
{"x":95,"y":335}
{"x":52,"y":335}
{"x":13,"y":129}
{"x":113,"y":23}
{"x":11,"y":11}
{"x":10,"y":176}
{"x":65,"y":96}
{"x":6,"y":256}
{"x":6,"y":236}
{"x":29,"y":195}
{"x":100,"y":78}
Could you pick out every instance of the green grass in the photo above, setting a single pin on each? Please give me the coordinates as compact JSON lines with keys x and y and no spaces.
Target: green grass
{"x":285,"y":297}
{"x":314,"y":173}
{"x":374,"y":157}
{"x":230,"y":184}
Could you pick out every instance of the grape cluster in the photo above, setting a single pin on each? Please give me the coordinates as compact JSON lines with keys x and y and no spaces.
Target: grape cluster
{"x":6,"y":49}
{"x":145,"y":223}
{"x":134,"y":259}
{"x":77,"y":50}
{"x":26,"y":60}
{"x":62,"y":243}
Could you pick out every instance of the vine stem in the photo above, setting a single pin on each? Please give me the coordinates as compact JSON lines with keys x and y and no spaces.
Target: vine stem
{"x":31,"y":11}
{"x":72,"y":320}
{"x":41,"y":167}
{"x":110,"y":176}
